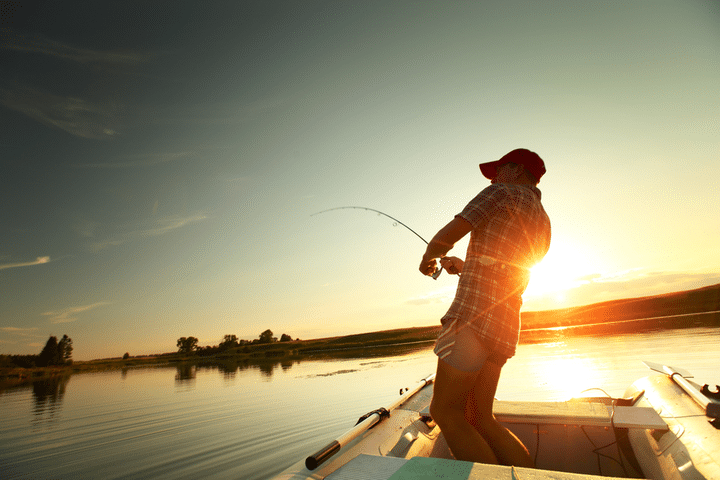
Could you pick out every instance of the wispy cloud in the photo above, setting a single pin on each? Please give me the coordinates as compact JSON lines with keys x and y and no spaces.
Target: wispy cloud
{"x":155,"y":228}
{"x":168,"y":224}
{"x":69,"y":314}
{"x":135,"y":161}
{"x":17,"y":335}
{"x":78,"y":116}
{"x":638,"y":282}
{"x":631,"y":283}
{"x":19,"y":331}
{"x":38,"y":261}
{"x":74,"y":115}
{"x":442,"y":295}
{"x":37,"y":44}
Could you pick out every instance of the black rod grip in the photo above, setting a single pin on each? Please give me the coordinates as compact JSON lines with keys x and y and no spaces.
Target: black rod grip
{"x":321,"y":455}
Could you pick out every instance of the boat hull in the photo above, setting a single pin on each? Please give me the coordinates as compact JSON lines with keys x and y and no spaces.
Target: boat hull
{"x":690,"y":449}
{"x":572,"y":438}
{"x":656,"y":432}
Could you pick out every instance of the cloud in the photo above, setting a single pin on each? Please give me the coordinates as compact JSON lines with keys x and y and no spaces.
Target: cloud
{"x":155,"y":228}
{"x":19,"y":335}
{"x":588,"y":278}
{"x":637,"y":282}
{"x":37,"y":44}
{"x":18,"y":331}
{"x":168,"y":224}
{"x":102,"y":245}
{"x":69,"y":314}
{"x":136,"y":161}
{"x":443,"y":295}
{"x":38,"y":261}
{"x":630,"y":283}
{"x":74,"y":115}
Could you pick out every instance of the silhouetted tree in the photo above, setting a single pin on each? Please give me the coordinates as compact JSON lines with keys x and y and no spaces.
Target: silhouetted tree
{"x":25,"y":361}
{"x":285,"y":338}
{"x":229,"y":341}
{"x":126,"y":356}
{"x":187,"y":344}
{"x":267,"y":337}
{"x":49,"y":354}
{"x":65,"y":349}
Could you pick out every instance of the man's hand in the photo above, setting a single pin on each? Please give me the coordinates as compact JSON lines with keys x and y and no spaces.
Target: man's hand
{"x":428,"y":267}
{"x":441,"y":243}
{"x":452,"y":265}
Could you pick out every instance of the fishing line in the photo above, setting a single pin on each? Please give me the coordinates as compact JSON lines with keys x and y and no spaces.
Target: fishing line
{"x":435,"y":275}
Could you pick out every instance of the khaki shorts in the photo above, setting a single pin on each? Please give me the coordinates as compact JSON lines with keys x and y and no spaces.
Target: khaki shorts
{"x":463,"y":349}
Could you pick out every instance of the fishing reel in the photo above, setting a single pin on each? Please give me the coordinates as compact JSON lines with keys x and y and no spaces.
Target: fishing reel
{"x":437,"y":273}
{"x":705,"y":390}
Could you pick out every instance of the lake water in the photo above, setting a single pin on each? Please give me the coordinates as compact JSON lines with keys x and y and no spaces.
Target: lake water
{"x":248,"y":422}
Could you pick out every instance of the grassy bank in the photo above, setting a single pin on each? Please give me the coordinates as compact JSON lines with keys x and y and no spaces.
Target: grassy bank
{"x":706,"y":299}
{"x":255,"y":353}
{"x":17,"y":376}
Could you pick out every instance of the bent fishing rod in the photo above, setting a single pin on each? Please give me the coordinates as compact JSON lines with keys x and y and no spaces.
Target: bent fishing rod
{"x":434,"y":275}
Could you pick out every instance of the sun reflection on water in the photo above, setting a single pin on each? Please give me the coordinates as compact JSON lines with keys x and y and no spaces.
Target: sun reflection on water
{"x":566,"y":376}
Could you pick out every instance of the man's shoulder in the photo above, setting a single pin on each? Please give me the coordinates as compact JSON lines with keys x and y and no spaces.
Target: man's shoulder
{"x":496,"y":189}
{"x":501,"y":190}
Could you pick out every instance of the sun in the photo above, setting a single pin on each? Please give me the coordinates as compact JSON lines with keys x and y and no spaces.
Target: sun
{"x":559,"y":272}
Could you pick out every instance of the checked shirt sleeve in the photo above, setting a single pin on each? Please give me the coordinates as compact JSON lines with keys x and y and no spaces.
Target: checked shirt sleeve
{"x":489,"y":203}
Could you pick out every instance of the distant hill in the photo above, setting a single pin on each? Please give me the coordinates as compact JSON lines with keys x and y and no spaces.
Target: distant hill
{"x":706,"y":299}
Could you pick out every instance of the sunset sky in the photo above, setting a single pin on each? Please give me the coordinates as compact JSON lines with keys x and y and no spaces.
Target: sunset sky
{"x":162,"y":161}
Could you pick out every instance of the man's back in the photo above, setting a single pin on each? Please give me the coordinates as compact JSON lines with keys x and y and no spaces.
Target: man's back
{"x":511,"y":233}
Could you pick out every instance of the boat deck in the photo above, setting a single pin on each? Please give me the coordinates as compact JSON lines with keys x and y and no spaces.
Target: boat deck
{"x":553,"y":432}
{"x":658,"y":431}
{"x":578,"y":413}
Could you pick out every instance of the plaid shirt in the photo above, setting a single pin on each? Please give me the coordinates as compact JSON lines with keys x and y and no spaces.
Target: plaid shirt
{"x":511,"y":233}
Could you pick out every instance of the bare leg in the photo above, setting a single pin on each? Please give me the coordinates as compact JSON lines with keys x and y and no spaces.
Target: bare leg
{"x":453,"y":390}
{"x":508,"y":449}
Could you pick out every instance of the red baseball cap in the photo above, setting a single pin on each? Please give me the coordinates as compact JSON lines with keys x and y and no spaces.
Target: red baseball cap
{"x":530,"y":160}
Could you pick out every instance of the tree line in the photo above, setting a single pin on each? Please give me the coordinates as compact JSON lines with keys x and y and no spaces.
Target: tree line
{"x":188,"y":345}
{"x":56,"y":352}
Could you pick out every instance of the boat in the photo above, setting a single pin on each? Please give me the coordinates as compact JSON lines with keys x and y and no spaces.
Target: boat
{"x":664,"y":427}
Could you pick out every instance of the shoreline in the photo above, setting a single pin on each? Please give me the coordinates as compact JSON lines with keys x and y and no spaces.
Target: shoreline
{"x":685,"y":309}
{"x":343,"y":346}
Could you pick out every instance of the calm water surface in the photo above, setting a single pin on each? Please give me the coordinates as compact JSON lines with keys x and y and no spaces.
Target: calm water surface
{"x":252,"y":422}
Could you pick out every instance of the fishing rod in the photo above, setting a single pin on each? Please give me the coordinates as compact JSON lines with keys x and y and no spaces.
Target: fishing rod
{"x":434,"y":275}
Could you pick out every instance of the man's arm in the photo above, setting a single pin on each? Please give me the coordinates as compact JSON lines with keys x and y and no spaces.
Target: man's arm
{"x":442,"y":242}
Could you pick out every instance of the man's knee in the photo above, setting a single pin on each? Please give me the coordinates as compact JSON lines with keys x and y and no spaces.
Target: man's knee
{"x":487,"y":426}
{"x":436,"y":411}
{"x":443,"y":412}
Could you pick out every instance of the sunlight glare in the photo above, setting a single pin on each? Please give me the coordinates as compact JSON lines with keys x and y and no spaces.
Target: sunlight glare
{"x":569,"y":377}
{"x":560,"y":270}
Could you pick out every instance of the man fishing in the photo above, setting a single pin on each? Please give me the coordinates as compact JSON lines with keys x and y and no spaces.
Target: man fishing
{"x":509,"y":233}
